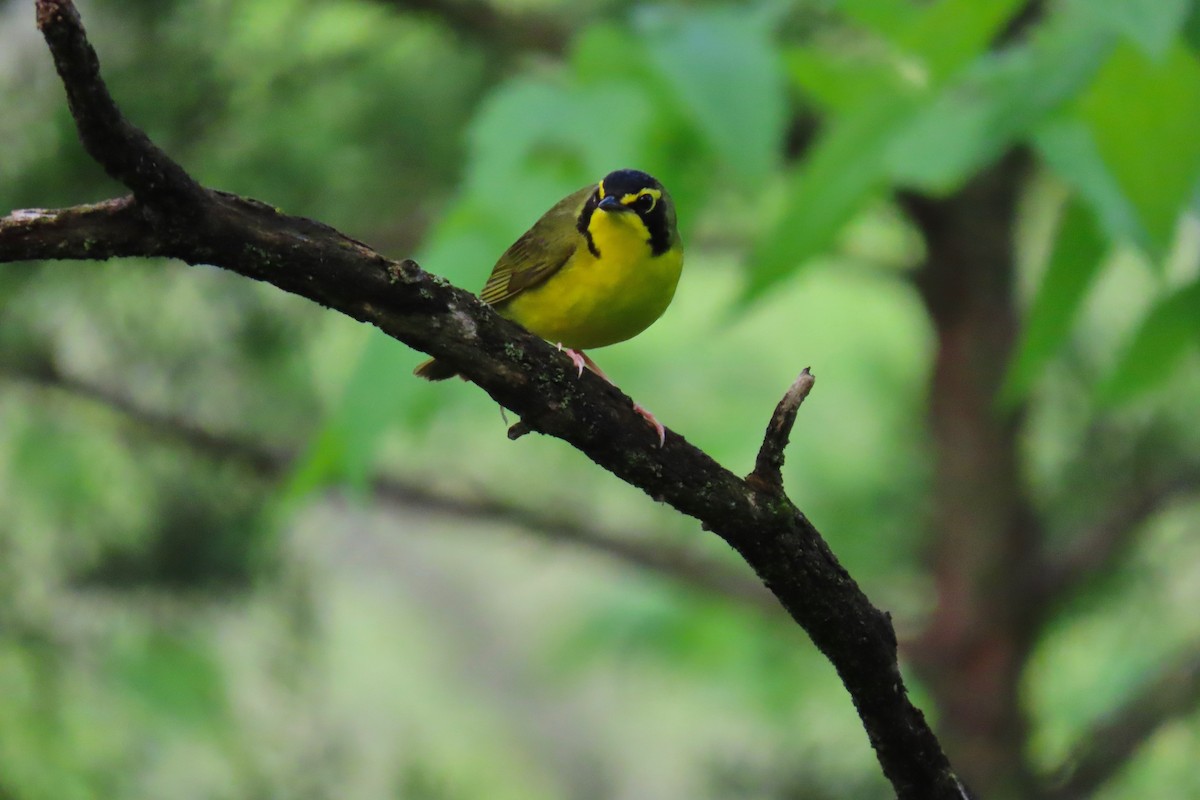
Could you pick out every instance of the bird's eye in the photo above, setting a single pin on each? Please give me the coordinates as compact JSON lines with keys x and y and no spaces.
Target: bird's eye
{"x":645,"y":202}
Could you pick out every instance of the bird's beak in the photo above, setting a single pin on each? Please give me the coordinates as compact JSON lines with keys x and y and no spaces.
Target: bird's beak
{"x":611,"y":203}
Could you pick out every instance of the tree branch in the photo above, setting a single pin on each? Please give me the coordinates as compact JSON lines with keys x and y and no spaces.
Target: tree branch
{"x":522,"y":373}
{"x":1109,"y":745}
{"x":1138,"y":479}
{"x":275,"y":463}
{"x":768,"y":466}
{"x":125,"y":152}
{"x":98,"y":231}
{"x":1096,"y":550}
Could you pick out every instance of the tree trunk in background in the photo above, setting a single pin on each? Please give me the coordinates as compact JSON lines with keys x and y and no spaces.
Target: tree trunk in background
{"x":985,"y":538}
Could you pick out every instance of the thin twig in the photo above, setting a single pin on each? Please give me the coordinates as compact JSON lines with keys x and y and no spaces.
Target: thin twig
{"x":1096,"y":549}
{"x":271,"y":463}
{"x":768,"y":467}
{"x":524,"y":374}
{"x":1109,"y":745}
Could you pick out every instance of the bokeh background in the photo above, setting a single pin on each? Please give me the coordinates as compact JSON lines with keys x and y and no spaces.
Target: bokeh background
{"x":244,"y":554}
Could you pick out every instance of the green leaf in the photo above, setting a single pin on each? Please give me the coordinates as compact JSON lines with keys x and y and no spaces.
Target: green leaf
{"x":591,"y":56}
{"x":942,"y":36}
{"x":1073,"y":265}
{"x":1070,"y":149}
{"x":836,"y":80}
{"x":948,"y":34}
{"x":344,"y":449}
{"x":844,"y":170}
{"x":927,"y":46}
{"x":847,"y":165}
{"x":533,"y":130}
{"x":881,"y":16}
{"x":724,"y":68}
{"x":1152,"y":26}
{"x":841,"y":78}
{"x":994,"y":104}
{"x":1170,"y":329}
{"x":1143,"y":116}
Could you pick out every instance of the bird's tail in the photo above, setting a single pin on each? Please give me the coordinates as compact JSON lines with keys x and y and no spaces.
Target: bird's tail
{"x":434,"y":370}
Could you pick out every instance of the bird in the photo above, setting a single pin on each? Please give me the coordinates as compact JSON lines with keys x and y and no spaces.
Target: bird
{"x":598,"y":268}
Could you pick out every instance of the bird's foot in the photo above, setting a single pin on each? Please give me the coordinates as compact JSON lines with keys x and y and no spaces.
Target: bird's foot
{"x":581,"y":359}
{"x":658,"y":426}
{"x":577,"y":358}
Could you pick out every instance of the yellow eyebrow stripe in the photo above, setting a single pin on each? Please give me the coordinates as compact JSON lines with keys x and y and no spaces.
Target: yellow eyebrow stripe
{"x":630,"y":199}
{"x":601,"y":187}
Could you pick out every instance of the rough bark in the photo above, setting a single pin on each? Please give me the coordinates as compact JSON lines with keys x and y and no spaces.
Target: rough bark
{"x":171,"y":215}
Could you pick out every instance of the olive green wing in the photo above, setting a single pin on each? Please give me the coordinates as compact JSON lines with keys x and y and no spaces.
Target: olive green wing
{"x":539,"y":253}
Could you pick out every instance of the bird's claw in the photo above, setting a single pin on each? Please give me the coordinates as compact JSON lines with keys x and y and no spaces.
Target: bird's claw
{"x":580,"y":360}
{"x":658,"y":426}
{"x":577,"y":358}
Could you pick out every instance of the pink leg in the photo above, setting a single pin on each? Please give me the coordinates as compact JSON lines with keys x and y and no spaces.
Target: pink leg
{"x":581,"y":359}
{"x":658,"y":426}
{"x":578,"y":359}
{"x":592,"y":365}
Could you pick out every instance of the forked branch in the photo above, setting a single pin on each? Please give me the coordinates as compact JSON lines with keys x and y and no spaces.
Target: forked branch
{"x":171,"y":215}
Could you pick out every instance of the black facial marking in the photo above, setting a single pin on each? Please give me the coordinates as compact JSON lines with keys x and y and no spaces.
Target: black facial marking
{"x":585,"y":219}
{"x":656,"y":223}
{"x":632,"y":181}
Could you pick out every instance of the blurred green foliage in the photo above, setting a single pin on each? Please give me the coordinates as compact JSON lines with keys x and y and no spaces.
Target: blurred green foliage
{"x":175,"y":623}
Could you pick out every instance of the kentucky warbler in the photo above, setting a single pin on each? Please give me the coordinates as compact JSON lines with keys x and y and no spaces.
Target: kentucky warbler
{"x":598,"y":268}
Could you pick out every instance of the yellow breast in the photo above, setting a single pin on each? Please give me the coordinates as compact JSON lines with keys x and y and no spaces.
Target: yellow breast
{"x":594,"y":302}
